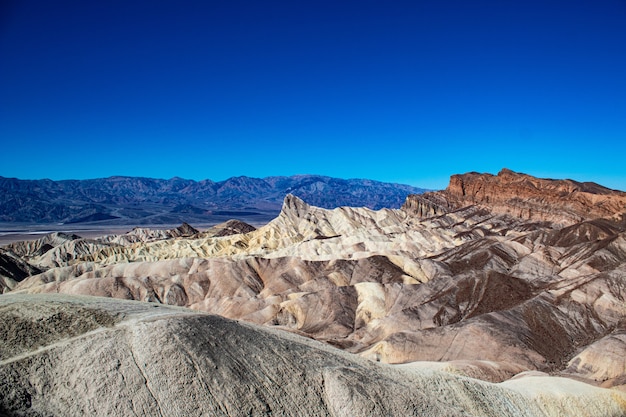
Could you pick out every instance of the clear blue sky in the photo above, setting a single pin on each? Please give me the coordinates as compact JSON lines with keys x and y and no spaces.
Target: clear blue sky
{"x":400,"y":91}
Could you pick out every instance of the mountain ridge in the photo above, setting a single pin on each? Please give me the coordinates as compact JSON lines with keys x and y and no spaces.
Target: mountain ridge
{"x":141,"y":200}
{"x":520,"y":195}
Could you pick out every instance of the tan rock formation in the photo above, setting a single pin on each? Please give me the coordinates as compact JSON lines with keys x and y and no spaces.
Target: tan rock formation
{"x":13,"y":269}
{"x":142,"y":234}
{"x":602,"y":361}
{"x":229,"y":228}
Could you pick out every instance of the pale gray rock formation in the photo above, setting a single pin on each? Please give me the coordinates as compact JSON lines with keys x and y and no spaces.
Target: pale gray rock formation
{"x":68,"y":253}
{"x":144,"y":234}
{"x":228,"y":228}
{"x":76,"y":356}
{"x":32,"y":248}
{"x":53,"y":250}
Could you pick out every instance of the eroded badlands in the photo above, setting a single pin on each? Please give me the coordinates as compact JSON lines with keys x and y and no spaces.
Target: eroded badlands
{"x":483,"y":300}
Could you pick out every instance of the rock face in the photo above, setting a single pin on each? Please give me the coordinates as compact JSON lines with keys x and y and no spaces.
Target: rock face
{"x":143,"y":235}
{"x":75,"y":356}
{"x":13,"y":269}
{"x":229,"y":228}
{"x":456,"y":286}
{"x":522,"y":196}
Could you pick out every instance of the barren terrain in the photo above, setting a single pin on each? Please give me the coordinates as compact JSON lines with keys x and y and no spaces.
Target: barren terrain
{"x":500,"y":288}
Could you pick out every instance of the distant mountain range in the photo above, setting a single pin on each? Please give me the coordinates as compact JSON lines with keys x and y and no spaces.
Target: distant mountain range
{"x":140,"y":201}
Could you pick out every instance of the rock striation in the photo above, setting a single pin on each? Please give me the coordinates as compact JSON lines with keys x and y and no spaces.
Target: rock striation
{"x":523,"y":196}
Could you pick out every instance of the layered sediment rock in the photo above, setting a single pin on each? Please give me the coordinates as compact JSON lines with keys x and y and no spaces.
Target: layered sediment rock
{"x":522,"y":196}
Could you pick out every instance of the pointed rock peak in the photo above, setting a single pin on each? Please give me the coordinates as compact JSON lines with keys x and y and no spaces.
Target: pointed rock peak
{"x":505,"y":171}
{"x":61,"y":236}
{"x":294,"y":205}
{"x":232,"y":227}
{"x":293,"y":201}
{"x":238,"y":224}
{"x":186,"y":230}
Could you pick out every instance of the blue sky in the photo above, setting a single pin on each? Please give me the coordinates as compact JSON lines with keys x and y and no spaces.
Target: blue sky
{"x":399,"y":91}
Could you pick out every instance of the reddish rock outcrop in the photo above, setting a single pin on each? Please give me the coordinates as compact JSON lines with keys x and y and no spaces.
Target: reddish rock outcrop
{"x":562,"y":202}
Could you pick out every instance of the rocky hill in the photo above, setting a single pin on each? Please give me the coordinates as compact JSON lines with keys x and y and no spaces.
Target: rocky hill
{"x":135,"y":201}
{"x":523,"y":196}
{"x":457,"y":284}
